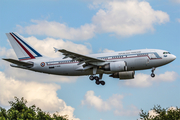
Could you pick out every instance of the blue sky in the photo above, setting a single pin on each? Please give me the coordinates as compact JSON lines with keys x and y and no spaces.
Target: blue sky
{"x":92,"y":26}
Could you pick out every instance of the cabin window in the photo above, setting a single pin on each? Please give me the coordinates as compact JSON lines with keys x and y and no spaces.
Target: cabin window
{"x":166,"y":53}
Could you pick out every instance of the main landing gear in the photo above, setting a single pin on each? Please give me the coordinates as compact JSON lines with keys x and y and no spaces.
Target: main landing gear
{"x":152,"y":74}
{"x":97,"y":79}
{"x":93,"y":77}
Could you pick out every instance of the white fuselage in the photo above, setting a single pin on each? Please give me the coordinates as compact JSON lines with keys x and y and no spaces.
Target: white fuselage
{"x":134,"y":59}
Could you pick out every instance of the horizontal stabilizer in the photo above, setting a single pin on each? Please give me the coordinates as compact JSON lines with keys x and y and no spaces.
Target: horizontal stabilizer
{"x":20,"y":63}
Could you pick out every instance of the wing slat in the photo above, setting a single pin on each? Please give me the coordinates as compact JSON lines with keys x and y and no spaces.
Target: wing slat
{"x":78,"y":57}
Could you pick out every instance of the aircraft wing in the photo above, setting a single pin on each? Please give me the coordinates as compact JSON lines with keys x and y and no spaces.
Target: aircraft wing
{"x":79,"y":57}
{"x":17,"y":62}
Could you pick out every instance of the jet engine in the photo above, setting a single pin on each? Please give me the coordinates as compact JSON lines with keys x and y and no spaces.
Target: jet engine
{"x":123,"y":75}
{"x":115,"y":66}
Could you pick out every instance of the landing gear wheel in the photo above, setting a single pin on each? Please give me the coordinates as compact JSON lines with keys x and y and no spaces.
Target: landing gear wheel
{"x":91,"y":77}
{"x":102,"y":82}
{"x":96,"y":78}
{"x":152,"y":75}
{"x":98,"y":82}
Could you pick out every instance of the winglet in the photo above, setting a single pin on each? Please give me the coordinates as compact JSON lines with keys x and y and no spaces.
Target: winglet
{"x":55,"y":49}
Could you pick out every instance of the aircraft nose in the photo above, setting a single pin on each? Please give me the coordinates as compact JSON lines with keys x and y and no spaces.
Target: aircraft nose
{"x":170,"y":58}
{"x":173,"y":57}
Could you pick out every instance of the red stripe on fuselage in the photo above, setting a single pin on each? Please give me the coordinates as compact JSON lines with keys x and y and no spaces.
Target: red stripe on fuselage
{"x":30,"y":55}
{"x":107,"y":60}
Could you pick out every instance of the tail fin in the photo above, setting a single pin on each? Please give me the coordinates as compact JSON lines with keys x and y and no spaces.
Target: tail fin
{"x":23,"y":50}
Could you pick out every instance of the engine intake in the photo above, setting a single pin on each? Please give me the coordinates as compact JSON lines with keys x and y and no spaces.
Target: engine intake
{"x":123,"y":75}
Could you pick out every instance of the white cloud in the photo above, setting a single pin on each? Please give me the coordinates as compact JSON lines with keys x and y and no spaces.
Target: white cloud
{"x":176,"y":1}
{"x":123,"y":18}
{"x":141,"y":80}
{"x":41,"y":94}
{"x":144,"y":80}
{"x":114,"y":102}
{"x":178,"y":20}
{"x":128,"y":18}
{"x":166,"y":77}
{"x":45,"y":46}
{"x":105,"y":51}
{"x":94,"y":101}
{"x":55,"y":29}
{"x":7,"y":52}
{"x":108,"y":51}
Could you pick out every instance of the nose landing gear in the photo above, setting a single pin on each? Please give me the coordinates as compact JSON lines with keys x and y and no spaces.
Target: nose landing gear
{"x":152,"y":74}
{"x":97,"y":79}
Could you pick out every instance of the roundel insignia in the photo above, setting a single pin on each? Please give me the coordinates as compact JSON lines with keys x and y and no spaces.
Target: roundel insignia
{"x":42,"y":64}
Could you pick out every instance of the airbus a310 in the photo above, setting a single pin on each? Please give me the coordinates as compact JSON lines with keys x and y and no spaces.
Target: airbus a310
{"x":122,"y":64}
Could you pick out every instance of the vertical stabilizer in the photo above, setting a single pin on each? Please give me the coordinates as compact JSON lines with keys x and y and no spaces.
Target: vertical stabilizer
{"x":22,"y":49}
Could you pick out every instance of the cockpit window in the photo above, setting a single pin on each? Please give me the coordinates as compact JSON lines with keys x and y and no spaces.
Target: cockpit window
{"x":166,"y":53}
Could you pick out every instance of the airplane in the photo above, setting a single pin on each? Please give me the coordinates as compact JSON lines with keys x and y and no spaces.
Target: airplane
{"x":122,"y":64}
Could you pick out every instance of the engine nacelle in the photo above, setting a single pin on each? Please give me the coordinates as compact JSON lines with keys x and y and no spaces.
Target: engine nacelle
{"x":115,"y":66}
{"x":123,"y":75}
